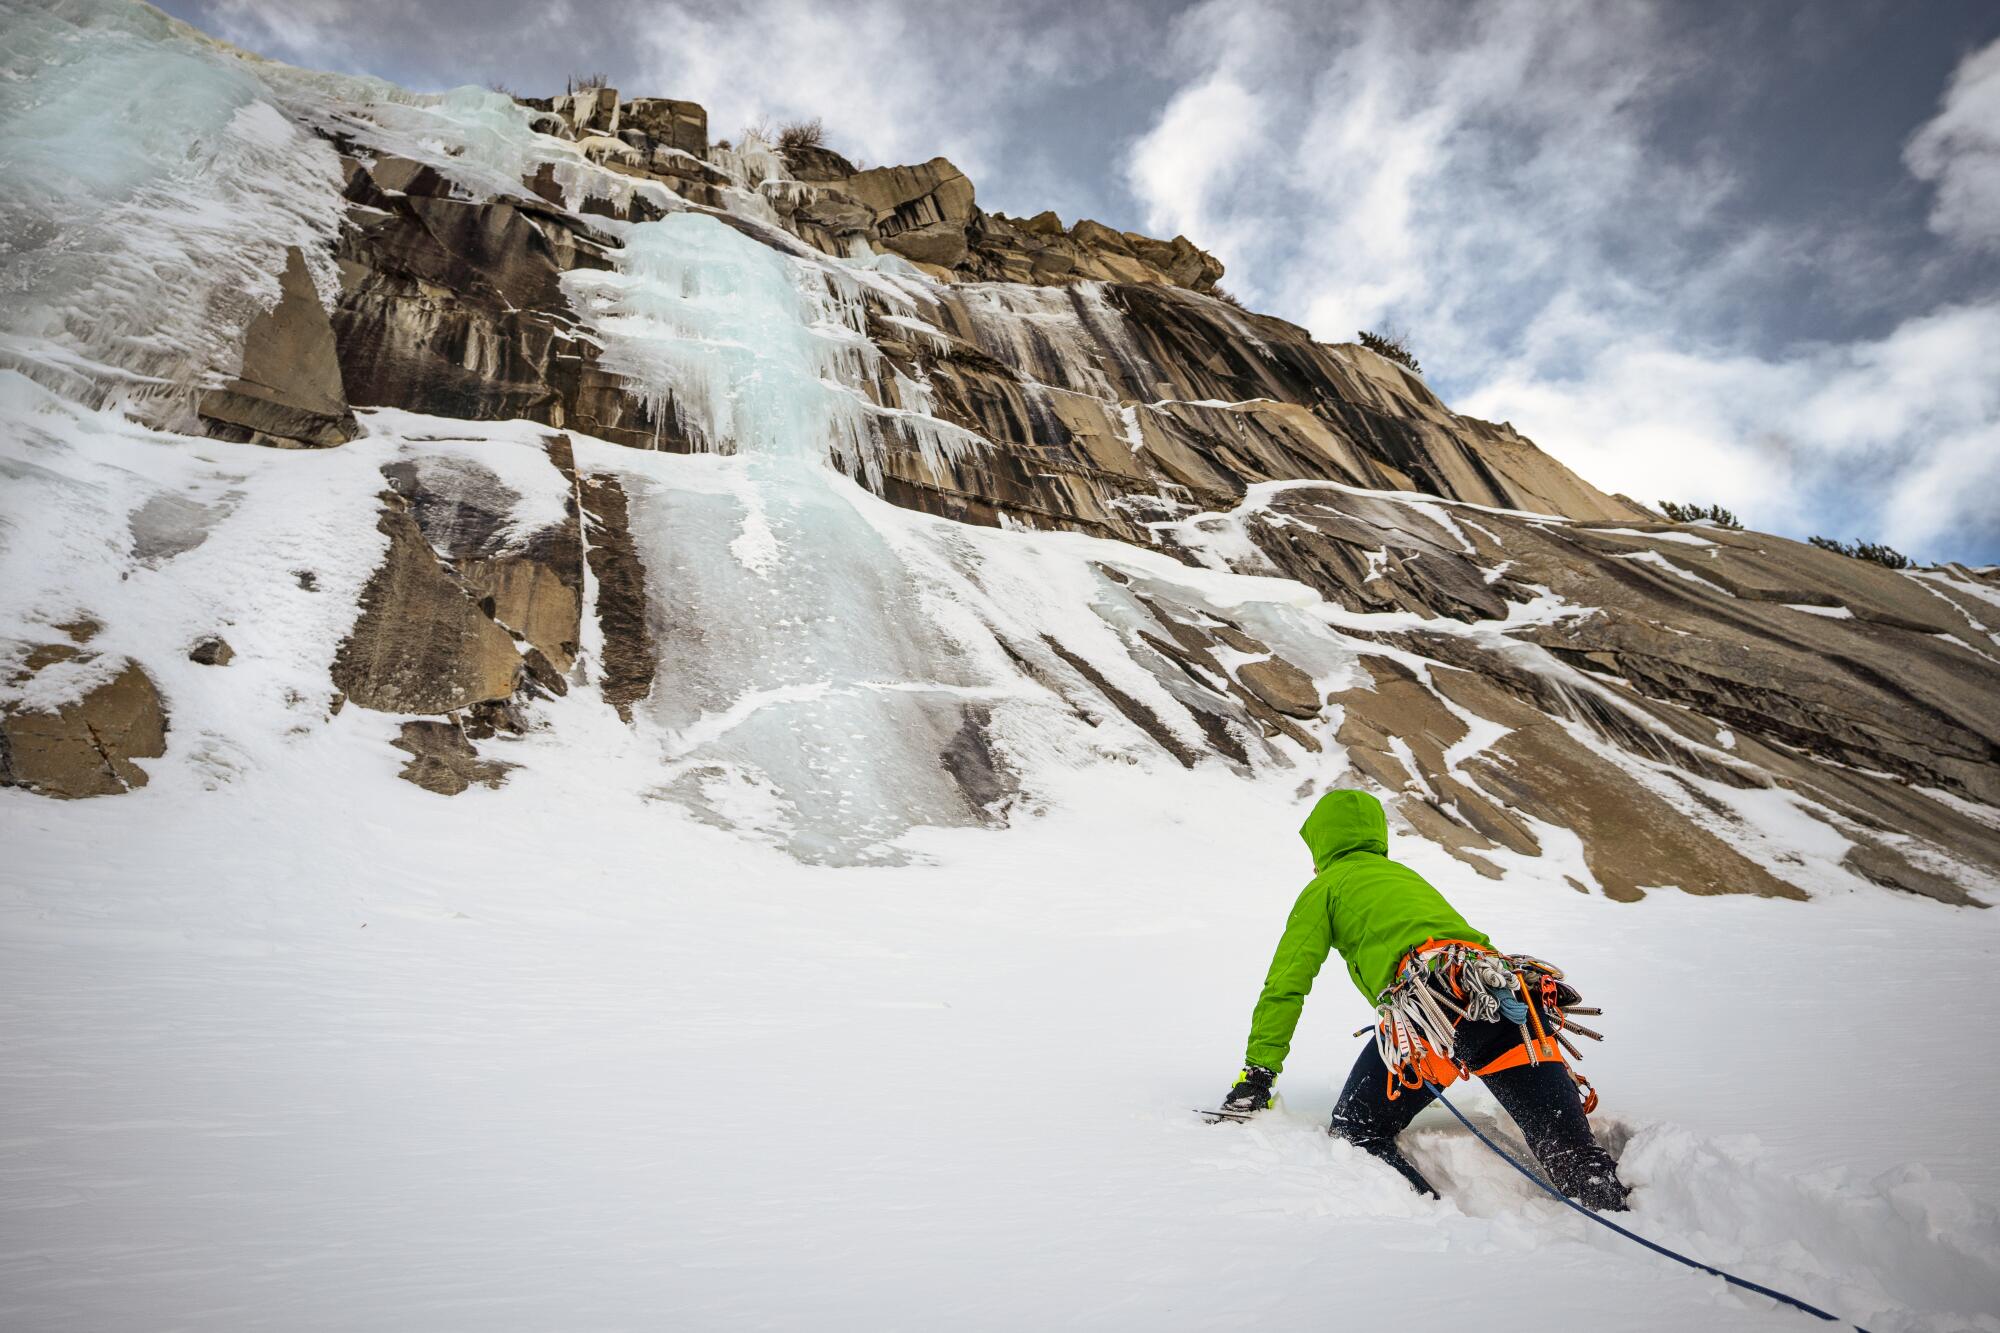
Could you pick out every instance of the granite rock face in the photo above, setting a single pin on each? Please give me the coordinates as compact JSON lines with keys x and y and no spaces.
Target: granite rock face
{"x":1041,"y":250}
{"x":469,"y":615}
{"x":919,"y":212}
{"x":1112,"y":407}
{"x":288,"y":392}
{"x":630,"y":655}
{"x":662,"y":121}
{"x":422,"y":644}
{"x":454,"y":307}
{"x":466,"y":608}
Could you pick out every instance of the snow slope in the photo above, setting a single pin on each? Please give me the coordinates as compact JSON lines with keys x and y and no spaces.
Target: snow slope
{"x":313,"y":1051}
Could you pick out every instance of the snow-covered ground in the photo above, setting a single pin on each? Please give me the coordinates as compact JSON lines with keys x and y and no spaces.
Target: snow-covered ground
{"x":319,"y":1050}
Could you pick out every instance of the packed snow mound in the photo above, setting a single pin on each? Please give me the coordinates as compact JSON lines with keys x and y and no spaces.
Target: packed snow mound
{"x":1903,"y":1250}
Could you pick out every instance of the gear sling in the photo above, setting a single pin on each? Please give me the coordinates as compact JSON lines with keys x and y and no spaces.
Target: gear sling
{"x":1443,"y":983}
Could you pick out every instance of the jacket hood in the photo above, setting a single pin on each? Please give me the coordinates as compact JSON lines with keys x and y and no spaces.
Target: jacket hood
{"x":1343,"y":822}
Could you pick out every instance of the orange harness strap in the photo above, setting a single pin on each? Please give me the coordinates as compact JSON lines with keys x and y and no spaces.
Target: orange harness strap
{"x":1435,"y":1069}
{"x":1545,"y":1047}
{"x":1434,"y":942}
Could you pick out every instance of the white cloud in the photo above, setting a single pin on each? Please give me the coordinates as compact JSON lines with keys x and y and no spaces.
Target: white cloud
{"x":1195,"y":153}
{"x":1959,"y":152}
{"x":1495,"y":180}
{"x":1896,"y":439}
{"x":893,"y":80}
{"x":313,"y":33}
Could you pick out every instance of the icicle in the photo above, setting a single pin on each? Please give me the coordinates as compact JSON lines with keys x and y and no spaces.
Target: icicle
{"x":751,"y":351}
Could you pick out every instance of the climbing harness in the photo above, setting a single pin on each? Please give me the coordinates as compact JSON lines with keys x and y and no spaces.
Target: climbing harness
{"x":1442,"y":983}
{"x":1654,"y":1246}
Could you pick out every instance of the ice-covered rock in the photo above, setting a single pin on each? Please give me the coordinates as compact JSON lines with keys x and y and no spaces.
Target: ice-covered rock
{"x":153,"y":192}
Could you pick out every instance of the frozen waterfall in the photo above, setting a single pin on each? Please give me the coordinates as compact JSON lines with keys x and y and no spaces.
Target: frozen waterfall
{"x":817,"y":679}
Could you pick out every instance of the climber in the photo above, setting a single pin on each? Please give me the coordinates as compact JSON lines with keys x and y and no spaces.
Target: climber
{"x":1447,"y":1004}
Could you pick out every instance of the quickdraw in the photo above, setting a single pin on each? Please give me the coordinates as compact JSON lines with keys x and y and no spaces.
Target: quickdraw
{"x":1442,"y":983}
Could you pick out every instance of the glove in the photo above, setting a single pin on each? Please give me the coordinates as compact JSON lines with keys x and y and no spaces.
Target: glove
{"x":1252,"y":1092}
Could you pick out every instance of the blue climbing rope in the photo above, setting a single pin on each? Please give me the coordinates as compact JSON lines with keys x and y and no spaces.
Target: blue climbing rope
{"x":1654,"y":1246}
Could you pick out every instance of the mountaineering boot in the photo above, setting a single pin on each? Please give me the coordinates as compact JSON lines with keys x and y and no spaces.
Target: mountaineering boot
{"x":1252,"y":1091}
{"x":1588,"y":1175}
{"x":1606,"y":1194}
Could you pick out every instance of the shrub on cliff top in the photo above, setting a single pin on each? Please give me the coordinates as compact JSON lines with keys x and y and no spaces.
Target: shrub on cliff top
{"x":1715,"y":514}
{"x":1874,"y":552}
{"x":1394,"y":344}
{"x":801,"y":134}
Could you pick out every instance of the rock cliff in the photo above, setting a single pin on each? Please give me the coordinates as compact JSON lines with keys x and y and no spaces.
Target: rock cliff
{"x":1293,"y":555}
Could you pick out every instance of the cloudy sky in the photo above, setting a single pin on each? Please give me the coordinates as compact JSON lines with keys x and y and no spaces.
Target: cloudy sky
{"x":1746,"y":254}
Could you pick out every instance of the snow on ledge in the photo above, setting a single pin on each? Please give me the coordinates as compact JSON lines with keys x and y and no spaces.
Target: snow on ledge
{"x":1686,"y":538}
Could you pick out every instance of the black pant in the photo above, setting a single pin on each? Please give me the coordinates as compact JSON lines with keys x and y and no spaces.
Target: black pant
{"x":1542,"y":1099}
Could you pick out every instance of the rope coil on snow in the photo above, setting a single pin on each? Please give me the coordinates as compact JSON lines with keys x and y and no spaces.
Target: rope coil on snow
{"x":1654,"y":1246}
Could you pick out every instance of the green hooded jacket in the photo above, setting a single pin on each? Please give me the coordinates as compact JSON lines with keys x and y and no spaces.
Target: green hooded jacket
{"x":1369,"y":908}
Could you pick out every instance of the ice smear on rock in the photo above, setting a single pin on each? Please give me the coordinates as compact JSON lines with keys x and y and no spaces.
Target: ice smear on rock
{"x":149,"y":192}
{"x":482,"y":141}
{"x":1046,"y":333}
{"x":153,"y":180}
